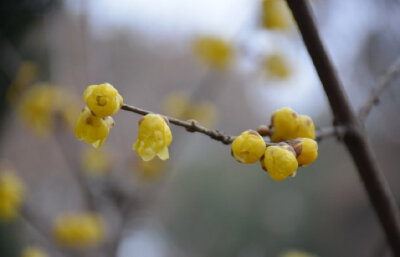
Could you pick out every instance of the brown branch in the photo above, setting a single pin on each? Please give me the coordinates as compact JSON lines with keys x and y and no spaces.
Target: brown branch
{"x":374,"y":181}
{"x":383,"y":82}
{"x":190,"y":125}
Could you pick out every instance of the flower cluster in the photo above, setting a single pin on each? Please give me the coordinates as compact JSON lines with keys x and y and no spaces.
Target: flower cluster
{"x":12,"y":192}
{"x":179,"y":105}
{"x":95,"y":120}
{"x":292,"y":144}
{"x":78,"y":230}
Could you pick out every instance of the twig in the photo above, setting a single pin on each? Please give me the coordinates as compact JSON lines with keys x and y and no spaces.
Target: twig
{"x":383,"y":82}
{"x":374,"y":181}
{"x":190,"y":125}
{"x":40,"y":229}
{"x":334,"y":131}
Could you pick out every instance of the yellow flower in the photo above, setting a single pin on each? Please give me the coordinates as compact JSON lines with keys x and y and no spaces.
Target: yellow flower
{"x":96,"y":162}
{"x":12,"y":192}
{"x":26,"y":75}
{"x":249,"y":147}
{"x":177,"y":104}
{"x":37,"y":107}
{"x":33,"y":251}
{"x":103,"y":100}
{"x":305,"y":127}
{"x":284,"y":121}
{"x":295,"y":253}
{"x":205,"y":113}
{"x":306,"y":150}
{"x":42,"y":102}
{"x":276,"y":15}
{"x":277,"y":66}
{"x":287,"y":125}
{"x":280,"y":161}
{"x":213,"y":52}
{"x":150,"y":170}
{"x":78,"y":230}
{"x":154,"y":137}
{"x":93,"y":130}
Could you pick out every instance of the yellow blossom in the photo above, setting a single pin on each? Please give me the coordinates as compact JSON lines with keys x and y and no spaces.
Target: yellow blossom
{"x":26,"y":75}
{"x":276,"y":15}
{"x":42,"y":102}
{"x":103,"y":100}
{"x":277,"y":66}
{"x":12,"y":192}
{"x":96,"y":162}
{"x":93,"y":130}
{"x":205,"y":113}
{"x":249,"y":147}
{"x":177,"y":104}
{"x":284,"y":121}
{"x":150,"y":170}
{"x":287,"y":125}
{"x":36,"y":108}
{"x":296,"y":253}
{"x":305,"y":127}
{"x":306,"y":150}
{"x":280,"y":161}
{"x":33,"y":251}
{"x":213,"y":51}
{"x":78,"y":230}
{"x":154,"y":137}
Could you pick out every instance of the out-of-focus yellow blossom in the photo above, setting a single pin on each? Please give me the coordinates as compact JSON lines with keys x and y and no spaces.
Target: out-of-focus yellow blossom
{"x":306,"y":150}
{"x":150,"y":170}
{"x":96,"y":162}
{"x":103,"y":100}
{"x":154,"y":137}
{"x":178,"y":105}
{"x":12,"y":192}
{"x":42,"y":102}
{"x":79,"y":230}
{"x":276,"y":15}
{"x":249,"y":147}
{"x":277,"y":66}
{"x":214,"y":52}
{"x":305,"y":127}
{"x":288,"y":125}
{"x":37,"y":107}
{"x":93,"y":130}
{"x":33,"y":251}
{"x":205,"y":113}
{"x":295,"y":253}
{"x":279,"y":161}
{"x":26,"y":76}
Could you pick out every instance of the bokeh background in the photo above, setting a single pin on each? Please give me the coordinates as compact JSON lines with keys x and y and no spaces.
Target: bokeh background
{"x":201,"y":202}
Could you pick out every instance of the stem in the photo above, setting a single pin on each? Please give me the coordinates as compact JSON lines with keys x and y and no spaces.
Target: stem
{"x":381,"y":85}
{"x":374,"y":181}
{"x":190,"y":125}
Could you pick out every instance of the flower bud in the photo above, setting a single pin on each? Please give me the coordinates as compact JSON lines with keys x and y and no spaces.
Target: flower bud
{"x":249,"y":147}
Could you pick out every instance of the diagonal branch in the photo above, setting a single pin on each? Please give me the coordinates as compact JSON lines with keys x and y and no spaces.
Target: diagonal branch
{"x":355,"y":140}
{"x":383,"y":82}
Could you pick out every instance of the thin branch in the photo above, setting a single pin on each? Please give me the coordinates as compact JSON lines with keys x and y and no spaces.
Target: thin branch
{"x":383,"y":82}
{"x":327,"y":132}
{"x":31,"y":221}
{"x":374,"y":181}
{"x":190,"y":125}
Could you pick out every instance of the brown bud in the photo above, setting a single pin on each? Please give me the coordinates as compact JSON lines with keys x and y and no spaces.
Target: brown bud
{"x":263,"y":130}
